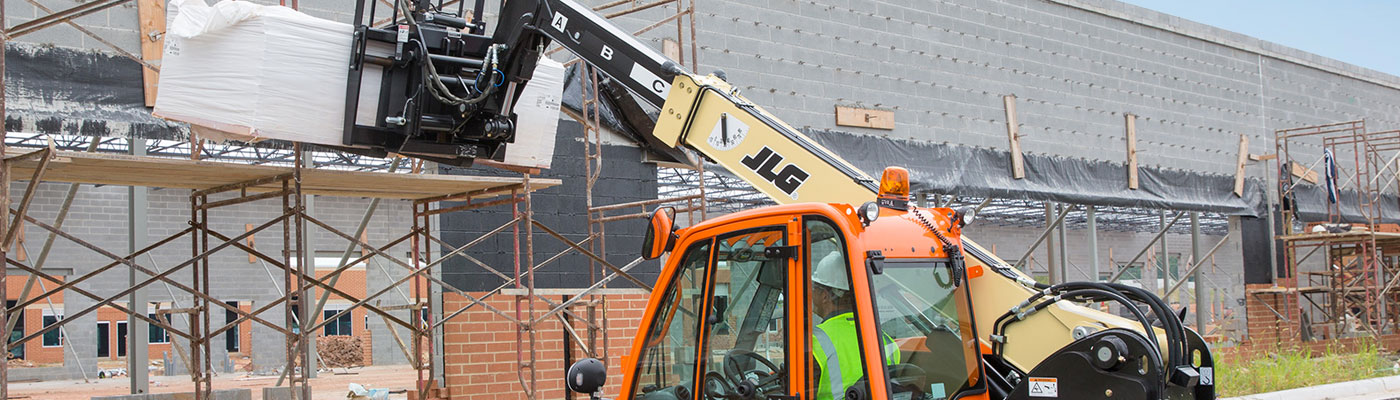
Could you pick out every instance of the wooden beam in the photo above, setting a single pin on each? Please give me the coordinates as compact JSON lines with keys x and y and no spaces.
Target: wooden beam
{"x":1130,"y":128}
{"x":1263,"y":157}
{"x":119,"y":169}
{"x":864,"y":117}
{"x":1239,"y":165}
{"x":1013,"y":136}
{"x":1302,"y":172}
{"x":152,"y":35}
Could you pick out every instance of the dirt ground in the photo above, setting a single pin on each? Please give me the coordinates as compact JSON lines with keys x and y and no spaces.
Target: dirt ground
{"x":327,"y":385}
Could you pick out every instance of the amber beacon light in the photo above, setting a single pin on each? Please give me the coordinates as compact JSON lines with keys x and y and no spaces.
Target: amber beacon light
{"x":894,"y":188}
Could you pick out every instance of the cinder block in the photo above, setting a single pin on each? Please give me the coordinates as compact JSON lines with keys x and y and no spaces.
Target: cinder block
{"x":59,"y":35}
{"x":221,"y":394}
{"x":280,"y":393}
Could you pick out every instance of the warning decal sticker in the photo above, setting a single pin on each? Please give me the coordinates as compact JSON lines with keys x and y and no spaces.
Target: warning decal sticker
{"x":1044,"y":387}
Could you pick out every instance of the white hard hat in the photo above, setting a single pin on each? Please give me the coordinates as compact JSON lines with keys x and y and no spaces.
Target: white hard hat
{"x":831,"y":272}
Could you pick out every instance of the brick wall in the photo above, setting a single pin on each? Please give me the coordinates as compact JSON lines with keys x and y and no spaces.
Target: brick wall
{"x":481,"y":351}
{"x":34,"y":350}
{"x":1267,"y":333}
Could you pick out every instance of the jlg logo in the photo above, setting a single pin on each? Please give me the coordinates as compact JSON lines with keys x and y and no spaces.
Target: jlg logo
{"x":765,"y":164}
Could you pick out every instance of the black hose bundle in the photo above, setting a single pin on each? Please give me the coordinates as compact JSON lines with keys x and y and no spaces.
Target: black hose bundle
{"x":1128,"y":296}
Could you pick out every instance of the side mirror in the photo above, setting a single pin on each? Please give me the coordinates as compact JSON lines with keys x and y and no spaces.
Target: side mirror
{"x":660,"y":236}
{"x":586,"y":376}
{"x":718,"y":305}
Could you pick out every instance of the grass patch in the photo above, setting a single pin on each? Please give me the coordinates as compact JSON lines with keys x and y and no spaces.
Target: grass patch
{"x":1289,"y":369}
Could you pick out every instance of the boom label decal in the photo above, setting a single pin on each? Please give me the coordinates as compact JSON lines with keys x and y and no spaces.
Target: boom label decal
{"x":765,"y":164}
{"x":559,"y":22}
{"x":649,"y":80}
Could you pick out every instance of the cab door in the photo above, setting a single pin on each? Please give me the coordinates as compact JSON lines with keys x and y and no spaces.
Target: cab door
{"x":665,"y":366}
{"x":746,"y":332}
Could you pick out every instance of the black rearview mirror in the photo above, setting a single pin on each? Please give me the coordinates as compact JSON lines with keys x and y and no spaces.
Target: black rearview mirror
{"x":717,"y":307}
{"x":660,"y":235}
{"x":586,"y":376}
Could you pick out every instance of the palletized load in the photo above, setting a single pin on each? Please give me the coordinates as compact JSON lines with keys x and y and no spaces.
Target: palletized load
{"x":240,"y":70}
{"x":243,"y":71}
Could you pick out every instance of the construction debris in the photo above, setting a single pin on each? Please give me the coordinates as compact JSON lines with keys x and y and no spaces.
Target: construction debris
{"x":341,"y":351}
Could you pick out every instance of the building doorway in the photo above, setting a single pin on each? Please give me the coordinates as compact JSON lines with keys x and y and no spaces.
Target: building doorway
{"x":104,"y":339}
{"x":121,"y":338}
{"x":231,"y":335}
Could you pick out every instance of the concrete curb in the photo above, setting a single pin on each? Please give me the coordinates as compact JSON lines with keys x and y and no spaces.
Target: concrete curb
{"x":1331,"y":390}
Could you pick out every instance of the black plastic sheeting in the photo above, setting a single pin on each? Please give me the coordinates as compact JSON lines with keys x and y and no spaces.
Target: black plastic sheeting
{"x":981,"y":172}
{"x":1309,"y":204}
{"x":573,"y":100}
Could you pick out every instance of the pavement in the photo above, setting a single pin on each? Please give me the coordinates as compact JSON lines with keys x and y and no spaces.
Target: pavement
{"x":1387,"y":388}
{"x":326,"y":386}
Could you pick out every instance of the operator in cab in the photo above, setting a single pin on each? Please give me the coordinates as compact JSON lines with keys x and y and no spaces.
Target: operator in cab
{"x":835,"y":344}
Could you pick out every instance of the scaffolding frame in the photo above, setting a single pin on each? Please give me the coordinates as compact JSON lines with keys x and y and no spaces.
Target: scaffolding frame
{"x":294,"y":263}
{"x":1356,"y":288}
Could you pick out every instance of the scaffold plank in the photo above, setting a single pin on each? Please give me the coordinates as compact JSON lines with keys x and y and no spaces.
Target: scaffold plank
{"x":116,"y":169}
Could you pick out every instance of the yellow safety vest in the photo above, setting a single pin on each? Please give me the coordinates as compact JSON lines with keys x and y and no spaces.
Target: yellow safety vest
{"x":835,"y":340}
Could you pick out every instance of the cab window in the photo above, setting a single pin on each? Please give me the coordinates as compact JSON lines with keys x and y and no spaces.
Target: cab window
{"x":746,"y":331}
{"x":835,"y":364}
{"x":666,"y":369}
{"x":920,"y":308}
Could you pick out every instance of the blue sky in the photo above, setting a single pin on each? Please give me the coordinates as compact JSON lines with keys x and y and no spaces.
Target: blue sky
{"x":1361,"y":32}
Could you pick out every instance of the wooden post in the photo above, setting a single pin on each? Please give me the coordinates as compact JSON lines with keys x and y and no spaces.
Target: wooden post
{"x":152,"y":16}
{"x":1130,"y":121}
{"x":1013,"y":135}
{"x":1239,"y":166}
{"x":671,"y":48}
{"x":252,"y":259}
{"x":20,"y":254}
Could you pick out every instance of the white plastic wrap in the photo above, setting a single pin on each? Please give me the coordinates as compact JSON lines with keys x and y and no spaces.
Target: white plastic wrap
{"x":254,"y":72}
{"x":537,"y":117}
{"x":243,"y":71}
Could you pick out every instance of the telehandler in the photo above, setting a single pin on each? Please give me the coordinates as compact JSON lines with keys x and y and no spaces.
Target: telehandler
{"x":843,"y":291}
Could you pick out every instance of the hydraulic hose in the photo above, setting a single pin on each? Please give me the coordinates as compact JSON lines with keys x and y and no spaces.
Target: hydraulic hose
{"x":1176,"y":337}
{"x":1021,"y":313}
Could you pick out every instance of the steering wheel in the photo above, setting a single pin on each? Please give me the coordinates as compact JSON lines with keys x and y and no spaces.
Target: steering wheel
{"x":908,"y":378}
{"x":737,"y":384}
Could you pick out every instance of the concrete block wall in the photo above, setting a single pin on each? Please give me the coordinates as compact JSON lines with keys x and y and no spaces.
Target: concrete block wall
{"x":1076,"y":66}
{"x":624,"y":178}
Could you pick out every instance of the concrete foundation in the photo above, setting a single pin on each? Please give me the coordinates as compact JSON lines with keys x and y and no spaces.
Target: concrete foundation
{"x":224,"y":394}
